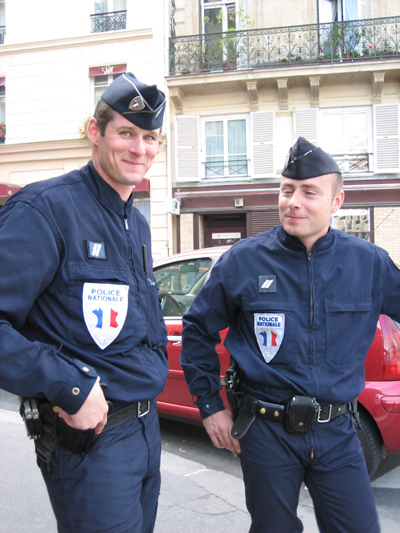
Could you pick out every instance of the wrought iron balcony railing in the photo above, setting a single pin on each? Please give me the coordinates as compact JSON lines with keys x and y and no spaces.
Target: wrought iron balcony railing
{"x":354,"y":163}
{"x":356,"y":40}
{"x":215,"y":168}
{"x":2,"y":33}
{"x":108,"y":21}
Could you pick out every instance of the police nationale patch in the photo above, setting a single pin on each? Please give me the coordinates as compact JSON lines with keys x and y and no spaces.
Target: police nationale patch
{"x":96,"y":250}
{"x":266,"y":283}
{"x":269,"y":329}
{"x":104,"y":311}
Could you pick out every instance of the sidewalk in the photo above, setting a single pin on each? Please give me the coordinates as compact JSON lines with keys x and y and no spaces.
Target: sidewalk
{"x":193,"y":498}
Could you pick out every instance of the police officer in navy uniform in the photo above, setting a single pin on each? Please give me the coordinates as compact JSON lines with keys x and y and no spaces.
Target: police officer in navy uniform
{"x":81,"y":329}
{"x":301,"y":302}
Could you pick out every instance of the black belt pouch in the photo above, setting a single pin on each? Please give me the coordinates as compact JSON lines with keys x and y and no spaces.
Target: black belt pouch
{"x":300,"y":414}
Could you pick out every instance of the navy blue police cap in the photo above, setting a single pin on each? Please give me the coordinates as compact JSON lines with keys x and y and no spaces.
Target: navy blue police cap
{"x":305,"y":161}
{"x":141,"y":104}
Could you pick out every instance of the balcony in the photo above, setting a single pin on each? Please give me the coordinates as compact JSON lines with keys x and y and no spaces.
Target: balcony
{"x":338,"y":42}
{"x":102,"y":22}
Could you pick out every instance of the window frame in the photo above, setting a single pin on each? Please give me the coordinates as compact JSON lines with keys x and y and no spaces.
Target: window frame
{"x":225,"y":119}
{"x":348,"y":151}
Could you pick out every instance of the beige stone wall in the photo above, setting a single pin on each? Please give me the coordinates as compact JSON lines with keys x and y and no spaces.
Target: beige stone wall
{"x":387,"y":230}
{"x":187,"y":241}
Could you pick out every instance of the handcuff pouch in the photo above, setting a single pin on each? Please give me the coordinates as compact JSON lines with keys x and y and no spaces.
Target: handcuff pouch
{"x":300,"y":414}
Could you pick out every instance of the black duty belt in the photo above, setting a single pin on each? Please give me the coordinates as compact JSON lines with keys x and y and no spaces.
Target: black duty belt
{"x":132,"y":410}
{"x":274,"y":411}
{"x":251,"y":408}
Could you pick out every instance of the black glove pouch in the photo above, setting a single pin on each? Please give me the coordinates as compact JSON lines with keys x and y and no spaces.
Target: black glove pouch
{"x":300,"y":414}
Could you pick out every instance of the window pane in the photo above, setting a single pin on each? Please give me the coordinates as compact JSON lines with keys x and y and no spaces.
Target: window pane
{"x":350,"y":9}
{"x":2,"y":104}
{"x":179,"y":284}
{"x":214,"y":149}
{"x":100,"y":85}
{"x":119,"y":5}
{"x":100,"y":6}
{"x":2,"y":13}
{"x":354,"y":221}
{"x":237,"y":148}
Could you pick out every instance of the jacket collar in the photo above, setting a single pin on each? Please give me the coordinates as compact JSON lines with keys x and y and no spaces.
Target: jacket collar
{"x":105,"y":194}
{"x":295,"y":244}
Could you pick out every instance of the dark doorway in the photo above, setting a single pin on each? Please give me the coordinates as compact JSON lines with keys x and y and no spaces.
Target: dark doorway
{"x":220,"y":230}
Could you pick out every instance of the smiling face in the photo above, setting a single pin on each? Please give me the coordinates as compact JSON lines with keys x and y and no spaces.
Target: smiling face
{"x":124,"y":154}
{"x":306,"y":206}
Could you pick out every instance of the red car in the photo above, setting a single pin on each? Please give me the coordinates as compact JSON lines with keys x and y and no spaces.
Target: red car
{"x":180,"y":278}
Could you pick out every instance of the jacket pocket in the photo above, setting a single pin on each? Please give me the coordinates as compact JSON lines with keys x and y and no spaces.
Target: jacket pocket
{"x":347,"y":339}
{"x":110,"y":309}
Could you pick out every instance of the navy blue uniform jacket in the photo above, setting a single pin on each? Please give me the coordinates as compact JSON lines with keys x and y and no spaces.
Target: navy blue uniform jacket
{"x":300,"y":323}
{"x":57,"y":237}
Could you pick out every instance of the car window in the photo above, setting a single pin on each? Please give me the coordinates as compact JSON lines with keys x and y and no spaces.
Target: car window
{"x":179,"y":283}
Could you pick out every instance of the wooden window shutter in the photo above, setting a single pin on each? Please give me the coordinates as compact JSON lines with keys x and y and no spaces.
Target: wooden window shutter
{"x":263,"y":133}
{"x":306,"y":124}
{"x":386,"y":138}
{"x":187,"y":161}
{"x":263,"y":220}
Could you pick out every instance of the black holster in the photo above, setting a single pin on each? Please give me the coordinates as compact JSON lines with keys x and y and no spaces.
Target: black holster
{"x":232,"y":385}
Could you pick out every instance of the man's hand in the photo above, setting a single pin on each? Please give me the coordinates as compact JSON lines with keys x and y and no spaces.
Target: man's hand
{"x":218,"y":427}
{"x":92,"y":414}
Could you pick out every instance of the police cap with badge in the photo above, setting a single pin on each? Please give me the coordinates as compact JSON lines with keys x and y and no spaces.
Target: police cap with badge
{"x":141,"y":104}
{"x":305,"y":161}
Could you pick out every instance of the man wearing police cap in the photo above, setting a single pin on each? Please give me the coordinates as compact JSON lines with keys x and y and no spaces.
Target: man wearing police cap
{"x":301,"y":302}
{"x":82,"y":338}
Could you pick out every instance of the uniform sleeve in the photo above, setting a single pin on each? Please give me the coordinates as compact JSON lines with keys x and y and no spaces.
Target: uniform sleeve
{"x":391,"y":290}
{"x":211,"y":311}
{"x":29,"y":259}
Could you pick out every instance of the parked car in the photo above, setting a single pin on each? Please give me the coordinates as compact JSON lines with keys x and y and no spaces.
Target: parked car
{"x":180,"y":278}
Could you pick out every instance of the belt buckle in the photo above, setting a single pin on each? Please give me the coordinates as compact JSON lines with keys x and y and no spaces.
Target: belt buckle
{"x":146,"y":406}
{"x":319,"y":414}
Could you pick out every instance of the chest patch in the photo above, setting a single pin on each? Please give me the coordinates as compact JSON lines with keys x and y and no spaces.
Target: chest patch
{"x":266,"y":283}
{"x":269,"y":329}
{"x":104,"y":311}
{"x":96,"y":250}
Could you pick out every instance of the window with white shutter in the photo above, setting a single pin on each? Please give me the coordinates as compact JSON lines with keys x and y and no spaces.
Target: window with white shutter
{"x":263,"y":153}
{"x":306,"y":124}
{"x":187,"y":163}
{"x":386,"y":138}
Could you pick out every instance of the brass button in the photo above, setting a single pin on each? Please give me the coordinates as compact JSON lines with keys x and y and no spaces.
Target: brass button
{"x":262,"y":411}
{"x":75,"y":391}
{"x":276,"y":414}
{"x":85,"y":369}
{"x":301,"y":424}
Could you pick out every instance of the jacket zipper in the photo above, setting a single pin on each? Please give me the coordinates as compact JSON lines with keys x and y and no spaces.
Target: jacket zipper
{"x":311,"y":288}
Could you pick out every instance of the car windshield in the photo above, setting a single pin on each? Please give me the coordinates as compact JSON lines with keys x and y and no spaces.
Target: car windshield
{"x":179,"y":283}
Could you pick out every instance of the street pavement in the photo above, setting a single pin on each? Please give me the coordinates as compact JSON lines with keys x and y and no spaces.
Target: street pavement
{"x":194,"y":499}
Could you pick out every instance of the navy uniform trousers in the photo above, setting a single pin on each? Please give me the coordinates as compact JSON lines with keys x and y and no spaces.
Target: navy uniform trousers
{"x":328,"y":459}
{"x":114,"y":488}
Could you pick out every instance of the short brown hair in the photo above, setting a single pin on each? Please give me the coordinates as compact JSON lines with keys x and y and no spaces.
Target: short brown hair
{"x":103,"y":115}
{"x":338,"y":184}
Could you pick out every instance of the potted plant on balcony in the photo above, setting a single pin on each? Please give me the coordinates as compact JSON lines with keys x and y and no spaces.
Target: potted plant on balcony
{"x":2,"y":132}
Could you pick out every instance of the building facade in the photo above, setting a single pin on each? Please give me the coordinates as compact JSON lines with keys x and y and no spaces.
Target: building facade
{"x":56,"y":59}
{"x":246,"y":78}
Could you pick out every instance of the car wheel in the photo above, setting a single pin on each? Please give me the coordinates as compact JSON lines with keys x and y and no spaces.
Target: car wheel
{"x":371,"y":441}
